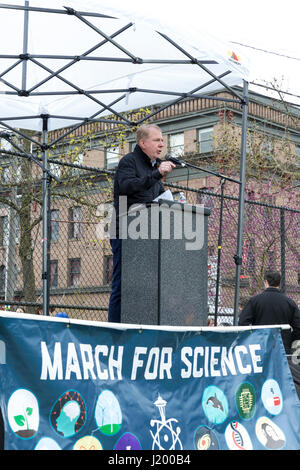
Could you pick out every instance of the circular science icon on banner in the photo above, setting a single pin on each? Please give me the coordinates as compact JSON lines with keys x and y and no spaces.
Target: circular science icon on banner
{"x":269,"y":434}
{"x":245,"y":400}
{"x":23,"y":413}
{"x":128,"y":442}
{"x":205,"y":439}
{"x":108,"y":413}
{"x":68,"y":414}
{"x":272,"y":397}
{"x":237,"y":437}
{"x":88,"y":443}
{"x":215,"y":404}
{"x":47,"y":443}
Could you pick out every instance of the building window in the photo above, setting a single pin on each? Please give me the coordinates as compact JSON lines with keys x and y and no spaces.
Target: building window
{"x":112,"y":157}
{"x":205,"y":140}
{"x":77,"y":160}
{"x":267,"y":148}
{"x":4,"y":230}
{"x":74,"y":271}
{"x":250,"y":143}
{"x":5,"y":174}
{"x":16,"y":227}
{"x":132,"y":146}
{"x":55,"y":169}
{"x":297,"y":155}
{"x":108,"y":269}
{"x":75,"y":222}
{"x":53,"y":273}
{"x":176,"y":144}
{"x":18,"y":174}
{"x":54,"y":225}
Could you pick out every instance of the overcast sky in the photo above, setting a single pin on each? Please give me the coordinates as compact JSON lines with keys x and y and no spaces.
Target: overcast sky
{"x":272,"y":25}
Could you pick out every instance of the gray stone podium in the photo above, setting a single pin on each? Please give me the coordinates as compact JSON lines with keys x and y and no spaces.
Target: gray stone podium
{"x":164,"y":264}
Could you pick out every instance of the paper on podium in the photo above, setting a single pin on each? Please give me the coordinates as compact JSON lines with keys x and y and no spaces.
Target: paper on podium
{"x":167,"y":196}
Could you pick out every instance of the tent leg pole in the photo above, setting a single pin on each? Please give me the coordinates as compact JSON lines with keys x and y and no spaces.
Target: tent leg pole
{"x":219,"y":253}
{"x":238,"y":256}
{"x":45,"y":219}
{"x":25,"y":46}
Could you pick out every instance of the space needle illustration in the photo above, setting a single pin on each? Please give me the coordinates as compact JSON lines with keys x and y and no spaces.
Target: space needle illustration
{"x":165,"y":437}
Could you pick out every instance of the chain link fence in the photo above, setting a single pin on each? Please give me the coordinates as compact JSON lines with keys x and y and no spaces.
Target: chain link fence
{"x":80,"y":259}
{"x":270,"y":242}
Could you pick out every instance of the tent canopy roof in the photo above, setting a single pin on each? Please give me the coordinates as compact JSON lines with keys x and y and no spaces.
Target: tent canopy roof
{"x":77,"y":61}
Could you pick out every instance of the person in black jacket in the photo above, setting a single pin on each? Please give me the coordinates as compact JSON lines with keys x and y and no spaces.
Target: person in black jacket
{"x":138,"y":178}
{"x":272,"y":307}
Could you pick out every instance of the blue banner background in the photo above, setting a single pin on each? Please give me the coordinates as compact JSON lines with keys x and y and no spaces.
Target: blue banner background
{"x":248,"y":401}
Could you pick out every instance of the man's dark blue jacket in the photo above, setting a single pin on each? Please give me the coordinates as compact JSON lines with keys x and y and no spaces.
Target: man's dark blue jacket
{"x":137,"y":179}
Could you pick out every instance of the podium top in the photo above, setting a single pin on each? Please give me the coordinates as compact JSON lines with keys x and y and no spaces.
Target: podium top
{"x":174,"y":205}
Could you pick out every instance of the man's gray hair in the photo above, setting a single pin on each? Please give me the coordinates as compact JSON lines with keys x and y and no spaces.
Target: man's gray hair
{"x":143,"y":131}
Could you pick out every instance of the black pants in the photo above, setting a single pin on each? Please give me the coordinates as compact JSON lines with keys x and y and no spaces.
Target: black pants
{"x":114,"y":309}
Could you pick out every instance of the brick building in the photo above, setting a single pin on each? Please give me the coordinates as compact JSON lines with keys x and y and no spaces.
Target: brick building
{"x":195,"y":129}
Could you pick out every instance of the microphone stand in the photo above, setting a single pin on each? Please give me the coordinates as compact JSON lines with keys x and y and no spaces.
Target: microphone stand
{"x":219,"y":175}
{"x":223,"y":180}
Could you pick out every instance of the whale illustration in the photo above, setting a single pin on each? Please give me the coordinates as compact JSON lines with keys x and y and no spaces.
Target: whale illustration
{"x":215,"y":402}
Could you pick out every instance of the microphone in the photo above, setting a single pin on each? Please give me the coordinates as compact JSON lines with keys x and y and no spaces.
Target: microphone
{"x":174,"y":160}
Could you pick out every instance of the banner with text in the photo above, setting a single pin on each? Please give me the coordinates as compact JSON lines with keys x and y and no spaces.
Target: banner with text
{"x":71,"y":385}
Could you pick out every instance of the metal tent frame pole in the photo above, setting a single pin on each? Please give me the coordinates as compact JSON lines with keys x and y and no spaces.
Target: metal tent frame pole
{"x":238,"y":255}
{"x":46,"y":185}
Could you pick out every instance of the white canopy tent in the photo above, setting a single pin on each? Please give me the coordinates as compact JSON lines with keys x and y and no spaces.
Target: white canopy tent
{"x":66,"y":63}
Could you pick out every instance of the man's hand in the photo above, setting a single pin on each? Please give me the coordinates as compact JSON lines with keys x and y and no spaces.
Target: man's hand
{"x":166,"y":167}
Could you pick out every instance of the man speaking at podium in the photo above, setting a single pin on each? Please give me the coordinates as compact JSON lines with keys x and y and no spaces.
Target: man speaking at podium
{"x":139,"y":178}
